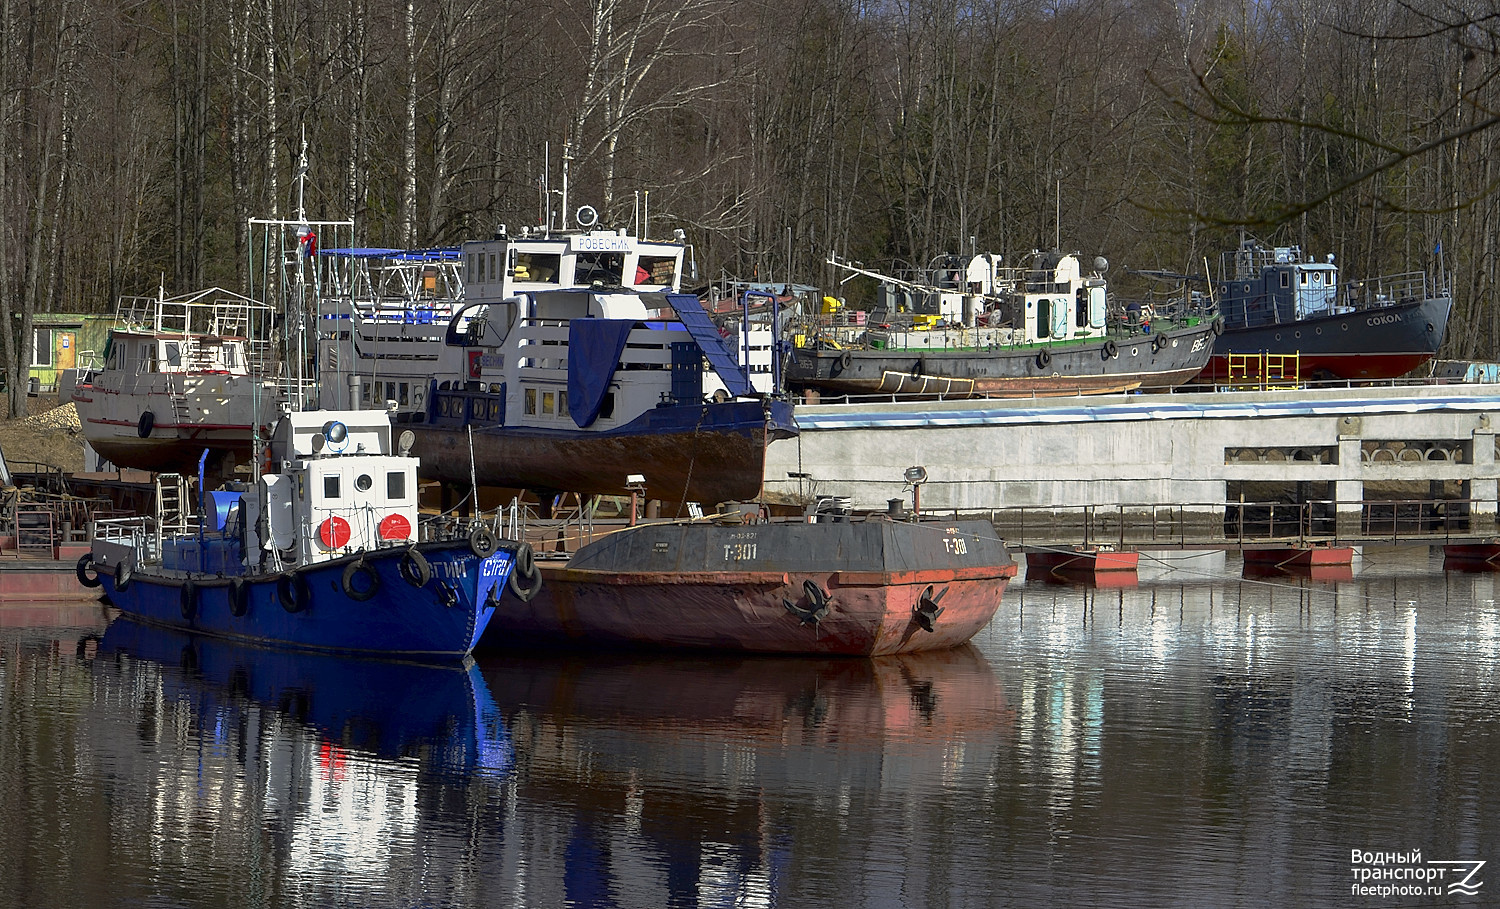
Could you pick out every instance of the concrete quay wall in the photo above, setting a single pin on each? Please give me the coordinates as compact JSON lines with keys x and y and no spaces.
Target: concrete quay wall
{"x":1143,"y":450}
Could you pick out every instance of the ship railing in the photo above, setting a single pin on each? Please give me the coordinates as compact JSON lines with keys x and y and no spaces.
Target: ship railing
{"x":213,"y":311}
{"x":138,"y":532}
{"x":1387,"y":290}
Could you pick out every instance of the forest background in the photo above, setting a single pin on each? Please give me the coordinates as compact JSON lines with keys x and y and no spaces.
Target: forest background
{"x":137,"y":137}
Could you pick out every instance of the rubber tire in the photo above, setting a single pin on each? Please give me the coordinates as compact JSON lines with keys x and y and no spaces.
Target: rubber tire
{"x":187,"y":599}
{"x":414,"y":568}
{"x":1043,"y":358}
{"x":482,"y":541}
{"x":525,"y":579}
{"x":291,"y":592}
{"x":86,"y":565}
{"x":1109,"y":351}
{"x":846,"y":360}
{"x":145,"y":425}
{"x":123,"y":573}
{"x":1158,"y":342}
{"x":1218,"y":326}
{"x":239,"y":597}
{"x":360,"y":566}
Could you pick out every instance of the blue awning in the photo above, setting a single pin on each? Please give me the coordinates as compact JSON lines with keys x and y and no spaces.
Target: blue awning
{"x":717,"y":351}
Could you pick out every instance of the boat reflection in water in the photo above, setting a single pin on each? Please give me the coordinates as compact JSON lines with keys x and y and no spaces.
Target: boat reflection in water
{"x":442,"y":715}
{"x":715,"y":780}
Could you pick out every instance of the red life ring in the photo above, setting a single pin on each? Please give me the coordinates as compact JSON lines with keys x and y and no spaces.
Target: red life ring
{"x":334,"y":533}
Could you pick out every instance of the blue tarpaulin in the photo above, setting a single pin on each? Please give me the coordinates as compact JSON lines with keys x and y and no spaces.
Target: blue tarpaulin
{"x":594,"y":348}
{"x":715,"y":348}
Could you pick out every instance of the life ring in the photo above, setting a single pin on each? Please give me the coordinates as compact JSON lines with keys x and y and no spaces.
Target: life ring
{"x":1109,"y":351}
{"x":123,"y":573}
{"x":1158,"y":342}
{"x":482,"y":541}
{"x":291,"y":592}
{"x":187,"y":597}
{"x":239,"y":597}
{"x":1218,"y":326}
{"x":414,"y":568}
{"x":846,"y":360}
{"x":88,"y":574}
{"x":1043,"y":358}
{"x":354,"y":591}
{"x":147,"y":422}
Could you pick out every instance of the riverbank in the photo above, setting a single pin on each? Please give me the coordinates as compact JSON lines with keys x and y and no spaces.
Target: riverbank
{"x":50,"y":435}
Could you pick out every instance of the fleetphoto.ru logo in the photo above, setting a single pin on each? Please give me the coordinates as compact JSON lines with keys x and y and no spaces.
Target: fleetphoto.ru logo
{"x":1387,"y":874}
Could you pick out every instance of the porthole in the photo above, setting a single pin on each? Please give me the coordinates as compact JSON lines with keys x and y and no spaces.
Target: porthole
{"x":362,"y":482}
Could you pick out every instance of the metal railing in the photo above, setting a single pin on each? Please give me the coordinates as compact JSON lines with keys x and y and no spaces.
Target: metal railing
{"x":1248,"y":524}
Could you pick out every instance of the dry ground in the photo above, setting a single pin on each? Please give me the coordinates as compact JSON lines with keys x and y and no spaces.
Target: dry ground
{"x":49,"y":435}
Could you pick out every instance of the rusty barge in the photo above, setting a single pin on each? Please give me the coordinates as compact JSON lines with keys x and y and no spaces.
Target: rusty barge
{"x":834,"y":584}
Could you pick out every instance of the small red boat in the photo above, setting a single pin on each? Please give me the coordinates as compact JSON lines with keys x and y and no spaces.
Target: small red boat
{"x":838,"y":586}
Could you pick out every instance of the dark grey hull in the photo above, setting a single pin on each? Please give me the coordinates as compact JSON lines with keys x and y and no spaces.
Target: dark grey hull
{"x":1163,"y":360}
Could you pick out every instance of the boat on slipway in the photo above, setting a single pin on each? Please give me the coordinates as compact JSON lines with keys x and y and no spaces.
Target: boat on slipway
{"x":840,"y":585}
{"x":976,"y":328}
{"x":325,"y":553}
{"x":179,"y":375}
{"x":570,"y":363}
{"x":1277,"y":301}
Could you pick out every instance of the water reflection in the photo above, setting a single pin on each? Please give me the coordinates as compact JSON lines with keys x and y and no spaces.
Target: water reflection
{"x":1201,"y":739}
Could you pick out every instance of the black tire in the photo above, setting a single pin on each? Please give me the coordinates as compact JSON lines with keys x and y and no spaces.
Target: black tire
{"x":187,"y":598}
{"x":525,"y":579}
{"x":1218,"y":326}
{"x":482,"y":541}
{"x":1158,"y":342}
{"x":291,"y":592}
{"x":146,"y":424}
{"x":85,"y":566}
{"x":1043,"y":358}
{"x":123,"y":573}
{"x":239,"y":597}
{"x":414,"y":568}
{"x":352,"y":590}
{"x":1109,"y":351}
{"x":846,"y":360}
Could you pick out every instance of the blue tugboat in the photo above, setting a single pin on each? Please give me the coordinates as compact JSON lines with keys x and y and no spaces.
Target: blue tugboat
{"x":324,"y":554}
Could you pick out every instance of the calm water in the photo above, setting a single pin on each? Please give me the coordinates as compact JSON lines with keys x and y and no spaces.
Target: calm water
{"x":1197,"y":740}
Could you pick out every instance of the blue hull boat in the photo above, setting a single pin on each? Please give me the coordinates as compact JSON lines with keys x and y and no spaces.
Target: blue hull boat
{"x":327,"y":554}
{"x":371,"y":603}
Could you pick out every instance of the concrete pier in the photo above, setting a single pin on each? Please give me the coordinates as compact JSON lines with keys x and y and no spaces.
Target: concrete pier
{"x":1141,"y":452}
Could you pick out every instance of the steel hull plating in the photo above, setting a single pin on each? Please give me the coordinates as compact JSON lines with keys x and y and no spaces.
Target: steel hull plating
{"x":312,"y":607}
{"x":1378,"y":343}
{"x":188,"y":414}
{"x":724,"y":587}
{"x":708,"y":453}
{"x":1071,"y":368}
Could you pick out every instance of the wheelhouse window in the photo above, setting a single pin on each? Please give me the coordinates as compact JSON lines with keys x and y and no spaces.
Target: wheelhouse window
{"x":395,"y":485}
{"x":330,"y":486}
{"x":655,"y":270}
